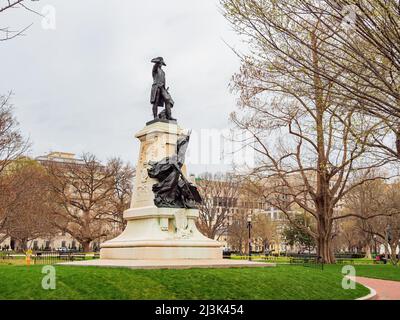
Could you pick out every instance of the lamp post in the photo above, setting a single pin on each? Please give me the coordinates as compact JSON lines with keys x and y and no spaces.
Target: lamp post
{"x":249,"y":227}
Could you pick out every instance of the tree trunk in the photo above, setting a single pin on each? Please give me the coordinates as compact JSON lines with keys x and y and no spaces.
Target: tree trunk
{"x":368,"y":254}
{"x":85,"y":246}
{"x":324,"y":241}
{"x":325,"y":252}
{"x":24,"y":244}
{"x":386,"y":251}
{"x":393,"y":255}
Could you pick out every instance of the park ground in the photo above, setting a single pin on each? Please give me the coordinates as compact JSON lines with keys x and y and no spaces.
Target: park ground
{"x":284,"y":282}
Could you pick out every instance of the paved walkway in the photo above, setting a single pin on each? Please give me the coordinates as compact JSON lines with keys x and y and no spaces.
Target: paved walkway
{"x":385,"y":289}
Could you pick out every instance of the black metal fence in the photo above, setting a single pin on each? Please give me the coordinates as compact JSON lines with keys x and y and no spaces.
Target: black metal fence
{"x":311,"y":262}
{"x":47,"y":257}
{"x":348,"y":255}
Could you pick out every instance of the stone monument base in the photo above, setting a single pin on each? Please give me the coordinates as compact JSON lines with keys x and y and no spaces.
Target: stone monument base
{"x":158,"y":250}
{"x":161,"y":234}
{"x":157,"y":233}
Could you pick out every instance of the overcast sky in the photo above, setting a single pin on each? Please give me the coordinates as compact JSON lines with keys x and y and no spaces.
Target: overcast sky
{"x":85,"y":86}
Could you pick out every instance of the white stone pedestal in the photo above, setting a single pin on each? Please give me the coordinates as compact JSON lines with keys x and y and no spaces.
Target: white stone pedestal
{"x":158,"y":233}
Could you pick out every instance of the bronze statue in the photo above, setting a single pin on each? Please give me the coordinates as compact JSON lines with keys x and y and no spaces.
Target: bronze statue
{"x":173,"y":190}
{"x":159,"y":94}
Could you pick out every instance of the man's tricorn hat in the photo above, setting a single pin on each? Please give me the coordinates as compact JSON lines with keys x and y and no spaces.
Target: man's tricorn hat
{"x":159,"y":60}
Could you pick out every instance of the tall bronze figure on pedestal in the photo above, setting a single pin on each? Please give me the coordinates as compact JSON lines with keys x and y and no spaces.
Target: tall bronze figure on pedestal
{"x":172,"y":190}
{"x":159,"y":93}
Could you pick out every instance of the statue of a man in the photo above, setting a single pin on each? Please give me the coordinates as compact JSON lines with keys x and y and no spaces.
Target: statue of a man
{"x":159,"y":94}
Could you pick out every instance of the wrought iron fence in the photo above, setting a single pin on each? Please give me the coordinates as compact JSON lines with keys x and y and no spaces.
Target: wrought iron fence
{"x":48,"y":257}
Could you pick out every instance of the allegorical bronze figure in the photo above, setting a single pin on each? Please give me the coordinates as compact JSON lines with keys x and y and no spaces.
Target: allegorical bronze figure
{"x":160,"y":96}
{"x":173,"y":190}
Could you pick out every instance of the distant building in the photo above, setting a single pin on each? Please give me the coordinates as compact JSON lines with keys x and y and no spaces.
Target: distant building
{"x":58,"y":157}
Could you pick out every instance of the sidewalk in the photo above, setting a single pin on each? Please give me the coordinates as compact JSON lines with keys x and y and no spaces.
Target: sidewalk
{"x":385,"y":289}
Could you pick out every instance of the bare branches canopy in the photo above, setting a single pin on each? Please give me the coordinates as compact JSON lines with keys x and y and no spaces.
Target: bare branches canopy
{"x":314,"y":142}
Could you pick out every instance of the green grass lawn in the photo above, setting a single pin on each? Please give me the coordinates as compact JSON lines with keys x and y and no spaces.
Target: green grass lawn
{"x":385,"y":272}
{"x":281,"y":282}
{"x":381,"y":271}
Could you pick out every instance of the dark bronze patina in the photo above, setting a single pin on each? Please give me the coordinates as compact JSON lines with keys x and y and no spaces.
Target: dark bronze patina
{"x":160,"y":96}
{"x":173,"y":190}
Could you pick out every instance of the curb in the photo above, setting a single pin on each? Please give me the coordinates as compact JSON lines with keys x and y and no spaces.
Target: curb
{"x":371,"y":296}
{"x":372,"y":292}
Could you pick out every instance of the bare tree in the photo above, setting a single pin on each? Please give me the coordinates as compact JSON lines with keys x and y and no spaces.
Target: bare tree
{"x":12,"y":146}
{"x":309,"y":147}
{"x":264,"y":230}
{"x":360,"y":40}
{"x":392,"y":228}
{"x":7,"y":5}
{"x":238,"y":232}
{"x":5,"y":203}
{"x":352,"y":238}
{"x":386,"y":232}
{"x":370,"y":41}
{"x":367,"y":200}
{"x":30,"y":202}
{"x":220,"y":194}
{"x":122,"y":180}
{"x":86,"y":197}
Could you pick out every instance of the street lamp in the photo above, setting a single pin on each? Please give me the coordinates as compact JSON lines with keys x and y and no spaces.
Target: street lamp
{"x":249,"y":227}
